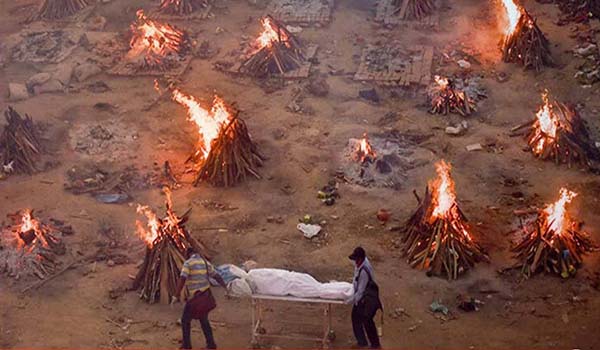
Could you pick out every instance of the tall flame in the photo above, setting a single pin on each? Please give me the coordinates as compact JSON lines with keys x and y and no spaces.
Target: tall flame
{"x":364,"y":149}
{"x":269,"y":35}
{"x":513,"y":14}
{"x":209,"y":122}
{"x":441,"y":81}
{"x":150,"y":233}
{"x":28,"y":223}
{"x":156,"y":228}
{"x":444,"y":199}
{"x":444,"y":196}
{"x":546,"y":125}
{"x":556,"y":213}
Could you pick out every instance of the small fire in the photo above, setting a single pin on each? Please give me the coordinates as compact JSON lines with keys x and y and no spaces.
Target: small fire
{"x":444,"y":198}
{"x":364,"y":150}
{"x":556,"y":214}
{"x":513,"y":14}
{"x":546,"y":125}
{"x":269,"y":35}
{"x":441,"y":81}
{"x":30,"y":225}
{"x":155,"y":40}
{"x":209,"y":122}
{"x":155,"y":228}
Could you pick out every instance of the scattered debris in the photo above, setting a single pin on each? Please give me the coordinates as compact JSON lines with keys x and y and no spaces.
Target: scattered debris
{"x":309,"y":230}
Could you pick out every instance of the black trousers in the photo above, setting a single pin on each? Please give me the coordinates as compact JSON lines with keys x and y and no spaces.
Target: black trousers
{"x":186,"y":324}
{"x":362,"y":324}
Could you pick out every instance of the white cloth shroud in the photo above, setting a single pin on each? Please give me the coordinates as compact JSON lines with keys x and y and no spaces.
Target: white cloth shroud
{"x":289,"y":283}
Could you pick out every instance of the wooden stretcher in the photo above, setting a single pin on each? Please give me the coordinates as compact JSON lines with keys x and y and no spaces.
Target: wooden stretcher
{"x":258,"y":317}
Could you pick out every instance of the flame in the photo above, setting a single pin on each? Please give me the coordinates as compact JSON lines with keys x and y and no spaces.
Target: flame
{"x":513,"y":14}
{"x":444,"y":199}
{"x":156,"y":228}
{"x":556,"y":213}
{"x":444,"y":196}
{"x":209,"y":122}
{"x":28,"y":223}
{"x":151,"y":232}
{"x":155,"y":39}
{"x":269,"y":35}
{"x":441,"y":81}
{"x":364,"y":149}
{"x":546,"y":125}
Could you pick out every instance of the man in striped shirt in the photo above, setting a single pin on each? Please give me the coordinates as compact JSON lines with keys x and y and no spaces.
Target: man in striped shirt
{"x":194,"y":276}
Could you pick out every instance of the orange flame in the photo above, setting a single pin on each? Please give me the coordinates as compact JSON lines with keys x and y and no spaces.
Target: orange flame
{"x":546,"y":125}
{"x":151,"y":232}
{"x":209,"y":122}
{"x":364,"y":149}
{"x":556,"y":213}
{"x":441,"y":81}
{"x":444,"y":198}
{"x":513,"y":14}
{"x":155,"y":228}
{"x":28,"y":223}
{"x":155,"y":39}
{"x":269,"y":35}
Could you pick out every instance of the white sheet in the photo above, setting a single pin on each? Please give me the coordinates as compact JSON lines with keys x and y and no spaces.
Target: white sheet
{"x":282,"y":283}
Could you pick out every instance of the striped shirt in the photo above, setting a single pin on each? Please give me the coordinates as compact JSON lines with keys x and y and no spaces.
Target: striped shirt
{"x":196,"y":270}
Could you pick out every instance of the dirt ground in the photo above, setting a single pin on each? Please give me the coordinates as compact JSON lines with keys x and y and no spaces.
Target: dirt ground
{"x":75,"y":310}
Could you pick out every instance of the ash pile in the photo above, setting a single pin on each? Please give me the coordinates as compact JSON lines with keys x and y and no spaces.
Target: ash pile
{"x":382,"y":160}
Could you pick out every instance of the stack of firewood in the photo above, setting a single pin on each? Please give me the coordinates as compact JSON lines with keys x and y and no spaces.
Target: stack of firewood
{"x":157,"y":277}
{"x":280,"y":56}
{"x":414,"y":9}
{"x":445,"y":98}
{"x":440,"y":242}
{"x":57,"y":9}
{"x":527,"y":45}
{"x":20,"y":145}
{"x":544,"y":249}
{"x":233,"y":156}
{"x":181,"y":7}
{"x":31,"y":247}
{"x":571,"y":143}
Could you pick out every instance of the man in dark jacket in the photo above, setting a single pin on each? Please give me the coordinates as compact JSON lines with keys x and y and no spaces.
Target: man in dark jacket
{"x":365,"y":300}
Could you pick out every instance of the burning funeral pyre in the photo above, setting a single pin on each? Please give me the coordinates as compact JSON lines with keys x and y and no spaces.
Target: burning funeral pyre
{"x":560,"y":134}
{"x":20,"y":146}
{"x":30,"y":247}
{"x":436,"y":237}
{"x":181,"y":7}
{"x":553,"y":242}
{"x":166,"y":242}
{"x":445,"y":98}
{"x":155,"y":45}
{"x":523,"y":41}
{"x":57,"y":9}
{"x":225,"y":151}
{"x":414,"y":9}
{"x":275,"y":52}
